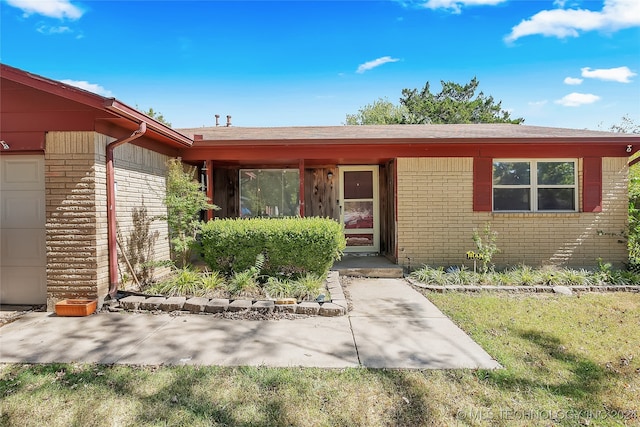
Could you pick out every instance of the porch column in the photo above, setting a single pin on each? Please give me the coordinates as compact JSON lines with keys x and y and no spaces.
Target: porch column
{"x":210,"y":212}
{"x":301,"y":173}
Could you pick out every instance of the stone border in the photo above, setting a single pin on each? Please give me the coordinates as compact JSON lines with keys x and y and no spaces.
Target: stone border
{"x":565,"y":290}
{"x":197,"y":305}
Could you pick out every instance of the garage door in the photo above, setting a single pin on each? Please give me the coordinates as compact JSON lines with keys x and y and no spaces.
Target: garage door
{"x":22,"y":230}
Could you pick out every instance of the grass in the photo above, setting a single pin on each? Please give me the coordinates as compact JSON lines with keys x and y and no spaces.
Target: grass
{"x":568,"y":361}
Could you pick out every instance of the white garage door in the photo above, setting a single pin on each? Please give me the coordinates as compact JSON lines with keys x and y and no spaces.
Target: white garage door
{"x":23,"y":259}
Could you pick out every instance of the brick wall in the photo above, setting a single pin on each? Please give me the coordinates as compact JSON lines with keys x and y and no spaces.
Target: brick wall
{"x":140,"y":176}
{"x":76,"y":209}
{"x":436,"y":220}
{"x":71,"y":216}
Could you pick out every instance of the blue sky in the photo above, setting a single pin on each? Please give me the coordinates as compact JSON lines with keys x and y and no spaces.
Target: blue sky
{"x":556,"y":63}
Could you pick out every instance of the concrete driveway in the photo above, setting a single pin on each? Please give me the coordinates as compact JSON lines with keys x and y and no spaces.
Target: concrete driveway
{"x":391,"y":326}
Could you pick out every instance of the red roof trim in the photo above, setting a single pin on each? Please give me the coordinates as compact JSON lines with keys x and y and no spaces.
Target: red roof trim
{"x":90,"y":99}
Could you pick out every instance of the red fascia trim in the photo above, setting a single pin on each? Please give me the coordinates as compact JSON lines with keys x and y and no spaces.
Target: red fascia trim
{"x":23,"y":142}
{"x":346,"y":152}
{"x":123,"y":110}
{"x":51,"y":86}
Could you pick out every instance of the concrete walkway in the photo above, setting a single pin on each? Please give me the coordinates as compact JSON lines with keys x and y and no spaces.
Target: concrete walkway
{"x":391,"y":325}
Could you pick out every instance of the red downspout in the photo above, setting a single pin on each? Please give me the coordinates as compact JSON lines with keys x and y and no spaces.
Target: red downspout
{"x":111,"y":207}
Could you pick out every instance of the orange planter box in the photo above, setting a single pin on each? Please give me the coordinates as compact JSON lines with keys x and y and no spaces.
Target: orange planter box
{"x":76,"y":307}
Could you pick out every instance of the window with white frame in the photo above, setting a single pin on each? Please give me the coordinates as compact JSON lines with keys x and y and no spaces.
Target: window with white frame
{"x":535,"y":185}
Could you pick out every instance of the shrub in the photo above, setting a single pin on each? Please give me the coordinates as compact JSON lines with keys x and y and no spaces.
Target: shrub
{"x":486,"y":245}
{"x":185,"y":200}
{"x":245,"y":283}
{"x":188,"y":282}
{"x":307,"y":287}
{"x":292,"y":247}
{"x":279,"y":288}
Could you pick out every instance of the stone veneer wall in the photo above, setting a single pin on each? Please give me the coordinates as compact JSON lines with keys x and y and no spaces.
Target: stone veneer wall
{"x":75,"y":182}
{"x":436,"y":220}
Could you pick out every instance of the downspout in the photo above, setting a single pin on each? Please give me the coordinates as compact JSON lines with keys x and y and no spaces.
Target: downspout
{"x":111,"y":207}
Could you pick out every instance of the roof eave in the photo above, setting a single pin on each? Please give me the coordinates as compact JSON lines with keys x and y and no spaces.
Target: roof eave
{"x":123,"y":110}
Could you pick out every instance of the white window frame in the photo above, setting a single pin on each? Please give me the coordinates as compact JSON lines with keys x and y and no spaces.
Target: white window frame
{"x":533,"y":185}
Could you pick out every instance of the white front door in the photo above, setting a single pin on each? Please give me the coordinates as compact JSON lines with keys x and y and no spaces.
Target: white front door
{"x":359,"y":208}
{"x":23,"y":260}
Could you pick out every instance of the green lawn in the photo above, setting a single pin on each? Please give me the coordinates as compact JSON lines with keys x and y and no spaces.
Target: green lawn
{"x":568,"y":361}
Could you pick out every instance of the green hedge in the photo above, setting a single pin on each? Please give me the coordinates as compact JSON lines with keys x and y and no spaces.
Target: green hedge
{"x":291,"y":246}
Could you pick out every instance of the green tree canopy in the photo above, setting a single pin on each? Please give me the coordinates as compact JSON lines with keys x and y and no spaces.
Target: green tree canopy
{"x":157,"y":116}
{"x":380,"y":112}
{"x":455,"y":103}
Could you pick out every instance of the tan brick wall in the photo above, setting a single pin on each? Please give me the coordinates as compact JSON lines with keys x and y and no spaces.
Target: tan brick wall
{"x":141,"y":184}
{"x":76,"y":191}
{"x":436,"y":220}
{"x":70,"y":184}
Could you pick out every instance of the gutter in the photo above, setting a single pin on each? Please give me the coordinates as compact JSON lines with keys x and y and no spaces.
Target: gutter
{"x":111,"y":207}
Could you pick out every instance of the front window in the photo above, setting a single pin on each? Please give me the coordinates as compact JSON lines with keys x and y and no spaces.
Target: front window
{"x":269,"y":192}
{"x":535,"y":185}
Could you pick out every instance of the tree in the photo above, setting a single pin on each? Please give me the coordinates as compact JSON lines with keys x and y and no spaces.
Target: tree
{"x":455,"y":103}
{"x":185,"y":199}
{"x":156,"y":116}
{"x":380,"y":112}
{"x":626,"y":125}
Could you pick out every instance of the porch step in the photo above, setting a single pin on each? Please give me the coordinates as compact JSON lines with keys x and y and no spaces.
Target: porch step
{"x":367,"y":266}
{"x":384,"y":272}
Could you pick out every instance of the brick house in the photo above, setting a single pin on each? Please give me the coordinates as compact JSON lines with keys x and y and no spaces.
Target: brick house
{"x":59,"y":221}
{"x":415,"y":193}
{"x":76,"y":168}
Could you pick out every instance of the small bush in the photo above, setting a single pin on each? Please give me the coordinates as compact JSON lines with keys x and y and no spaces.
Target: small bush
{"x":307,"y":287}
{"x":245,"y":283}
{"x":188,"y":282}
{"x":292,"y":247}
{"x":279,"y":288}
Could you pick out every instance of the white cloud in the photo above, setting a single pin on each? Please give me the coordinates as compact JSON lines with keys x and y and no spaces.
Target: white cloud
{"x":456,"y":5}
{"x":50,"y":8}
{"x":561,"y":23}
{"x":375,"y":63}
{"x":46,"y":29}
{"x":572,"y":81}
{"x":620,"y":74}
{"x":577,"y":99}
{"x":537,"y":103}
{"x":91,"y":87}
